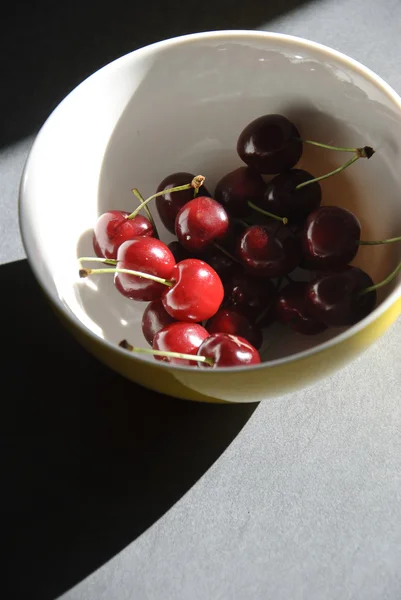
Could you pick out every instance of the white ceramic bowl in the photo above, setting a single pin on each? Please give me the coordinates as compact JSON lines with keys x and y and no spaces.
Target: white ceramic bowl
{"x":179,"y":105}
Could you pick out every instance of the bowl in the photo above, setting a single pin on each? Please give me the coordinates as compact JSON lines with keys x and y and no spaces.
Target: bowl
{"x":179,"y":105}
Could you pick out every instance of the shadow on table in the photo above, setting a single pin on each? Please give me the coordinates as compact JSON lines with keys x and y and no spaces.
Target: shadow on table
{"x":47,"y":48}
{"x":91,"y":460}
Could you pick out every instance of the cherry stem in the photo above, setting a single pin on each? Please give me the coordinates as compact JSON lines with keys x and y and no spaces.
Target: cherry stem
{"x":365,"y":151}
{"x":147,"y":210}
{"x":379,"y":242}
{"x":224,"y":251}
{"x":87,"y":272}
{"x":105,"y":261}
{"x":196,"y":183}
{"x":388,"y":279}
{"x":200,"y":359}
{"x":327,"y":175}
{"x":284,"y":220}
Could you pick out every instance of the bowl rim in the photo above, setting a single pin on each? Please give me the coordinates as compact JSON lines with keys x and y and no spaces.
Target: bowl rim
{"x":164,"y":44}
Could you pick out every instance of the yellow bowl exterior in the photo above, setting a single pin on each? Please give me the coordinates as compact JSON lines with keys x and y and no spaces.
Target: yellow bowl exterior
{"x":242,"y":385}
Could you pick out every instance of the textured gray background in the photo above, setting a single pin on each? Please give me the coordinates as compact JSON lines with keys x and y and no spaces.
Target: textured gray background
{"x":305,"y":503}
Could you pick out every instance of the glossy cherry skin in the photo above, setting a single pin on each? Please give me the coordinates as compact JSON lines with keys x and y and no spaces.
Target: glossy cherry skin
{"x":146,"y":255}
{"x":228,"y":350}
{"x":230,"y":321}
{"x":179,"y":252}
{"x":179,"y":337}
{"x":269,"y":250}
{"x":237,"y":188}
{"x":154,"y":319}
{"x":113,"y":228}
{"x":270,"y":144}
{"x":292,"y":310}
{"x":169,"y":205}
{"x":197,"y":292}
{"x":335,"y":298}
{"x":248,"y":295}
{"x":330,"y":238}
{"x":283,"y":199}
{"x":201,"y":222}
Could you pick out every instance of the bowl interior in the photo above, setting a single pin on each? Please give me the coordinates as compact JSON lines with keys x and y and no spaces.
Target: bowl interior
{"x":179,"y":106}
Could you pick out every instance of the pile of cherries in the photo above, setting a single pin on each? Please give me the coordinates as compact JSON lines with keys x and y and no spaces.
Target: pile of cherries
{"x":228,"y":274}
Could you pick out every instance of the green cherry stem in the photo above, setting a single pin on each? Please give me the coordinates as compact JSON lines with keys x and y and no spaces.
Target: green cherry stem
{"x":147,"y":210}
{"x":87,"y":272}
{"x":379,"y":242}
{"x":365,"y":151}
{"x":284,"y":220}
{"x":200,"y":359}
{"x":327,"y":175}
{"x":105,"y":261}
{"x":388,"y":279}
{"x":197,"y":182}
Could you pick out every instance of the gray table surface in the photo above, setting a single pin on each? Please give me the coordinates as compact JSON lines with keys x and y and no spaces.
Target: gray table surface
{"x":305,"y":503}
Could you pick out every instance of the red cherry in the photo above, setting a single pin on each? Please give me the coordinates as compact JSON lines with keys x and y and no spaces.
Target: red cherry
{"x":249,"y":295}
{"x":330,"y":238}
{"x":269,"y":250}
{"x":270,"y":144}
{"x":292,"y":310}
{"x":220,"y":262}
{"x":146,"y":255}
{"x":197,"y":291}
{"x":113,"y":228}
{"x":179,"y":252}
{"x":169,"y":205}
{"x":231,"y":321}
{"x":200,"y":222}
{"x":179,"y":337}
{"x":227,"y":350}
{"x":154,"y":319}
{"x":336,"y":300}
{"x":239,"y":187}
{"x":284,"y":199}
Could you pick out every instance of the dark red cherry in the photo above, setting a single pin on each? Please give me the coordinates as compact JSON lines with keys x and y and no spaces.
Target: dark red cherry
{"x":237,"y":188}
{"x":249,"y":295}
{"x":154,"y":319}
{"x":330,"y":238}
{"x":146,"y":255}
{"x":227,"y":350}
{"x":113,"y":228}
{"x":292,"y":310}
{"x":270,"y":144}
{"x":169,"y":205}
{"x":179,"y":252}
{"x":197,"y":292}
{"x":185,"y":338}
{"x":224,"y":266}
{"x":201,"y":222}
{"x":269,"y":250}
{"x":283,"y":199}
{"x":230,"y":321}
{"x":336,"y":300}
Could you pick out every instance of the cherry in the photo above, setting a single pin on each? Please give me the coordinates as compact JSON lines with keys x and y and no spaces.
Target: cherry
{"x":220,"y":261}
{"x":200,"y":222}
{"x":230,"y":321}
{"x":217,"y":350}
{"x":154,"y":319}
{"x":269,"y":251}
{"x":184,"y":338}
{"x":284,"y":199}
{"x":225,"y":350}
{"x":170,"y":204}
{"x":292,"y":310}
{"x":179,"y":252}
{"x":196,"y":292}
{"x":338,"y":299}
{"x":270,"y":144}
{"x":249,"y":295}
{"x":237,"y":188}
{"x":114,"y":227}
{"x":330,"y":238}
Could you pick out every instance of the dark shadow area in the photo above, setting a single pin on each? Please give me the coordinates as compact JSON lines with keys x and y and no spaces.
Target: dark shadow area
{"x":90,"y":459}
{"x":47,"y":48}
